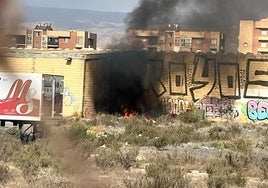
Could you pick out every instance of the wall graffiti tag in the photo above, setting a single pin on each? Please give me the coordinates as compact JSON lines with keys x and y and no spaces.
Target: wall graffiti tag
{"x":177,"y":78}
{"x":176,"y":106}
{"x":229,"y":80}
{"x":256,"y":79}
{"x":217,"y":84}
{"x":214,"y":107}
{"x":204,"y":76}
{"x":257,"y":110}
{"x":69,"y":97}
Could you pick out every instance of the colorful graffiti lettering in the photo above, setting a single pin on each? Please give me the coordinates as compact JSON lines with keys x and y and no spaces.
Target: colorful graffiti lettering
{"x":214,"y":107}
{"x":257,"y":110}
{"x":176,"y":106}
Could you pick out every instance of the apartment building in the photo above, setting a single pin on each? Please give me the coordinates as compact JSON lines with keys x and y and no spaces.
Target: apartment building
{"x":172,"y":39}
{"x":253,"y":37}
{"x":44,"y":37}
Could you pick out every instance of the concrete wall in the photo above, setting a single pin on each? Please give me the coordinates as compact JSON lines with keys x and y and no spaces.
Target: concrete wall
{"x":224,"y":86}
{"x":47,"y":64}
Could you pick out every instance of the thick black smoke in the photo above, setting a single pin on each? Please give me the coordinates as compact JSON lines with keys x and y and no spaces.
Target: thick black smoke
{"x":202,"y":15}
{"x":151,"y":12}
{"x":206,"y":13}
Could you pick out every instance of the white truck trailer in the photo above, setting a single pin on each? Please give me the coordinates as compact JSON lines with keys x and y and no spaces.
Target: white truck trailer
{"x":31,"y":101}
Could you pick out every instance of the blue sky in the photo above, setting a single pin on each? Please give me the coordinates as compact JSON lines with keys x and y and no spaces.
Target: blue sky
{"x":100,"y":5}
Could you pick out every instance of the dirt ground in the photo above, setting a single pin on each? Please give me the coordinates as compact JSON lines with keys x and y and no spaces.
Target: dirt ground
{"x":85,"y":174}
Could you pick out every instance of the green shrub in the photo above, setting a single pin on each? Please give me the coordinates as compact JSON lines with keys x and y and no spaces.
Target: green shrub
{"x":106,"y":158}
{"x":4,"y":173}
{"x":9,"y":147}
{"x":220,"y":174}
{"x":162,"y":173}
{"x":264,"y":167}
{"x":140,"y":134}
{"x":34,"y":156}
{"x":188,"y":117}
{"x":77,"y":132}
{"x":127,"y":157}
{"x":238,"y":144}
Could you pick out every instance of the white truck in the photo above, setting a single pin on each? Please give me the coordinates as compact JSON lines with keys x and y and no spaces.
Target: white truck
{"x":31,"y":101}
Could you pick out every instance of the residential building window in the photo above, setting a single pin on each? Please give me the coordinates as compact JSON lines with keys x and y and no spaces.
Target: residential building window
{"x":263,"y":45}
{"x":187,"y":42}
{"x":199,"y":41}
{"x":44,"y":38}
{"x":213,"y":41}
{"x":170,"y":35}
{"x":37,"y":43}
{"x":29,"y":38}
{"x":161,"y":40}
{"x":177,"y":41}
{"x":80,"y":40}
{"x":144,"y":40}
{"x":152,"y":40}
{"x":65,"y":40}
{"x":37,"y":33}
{"x":170,"y":45}
{"x":264,"y":32}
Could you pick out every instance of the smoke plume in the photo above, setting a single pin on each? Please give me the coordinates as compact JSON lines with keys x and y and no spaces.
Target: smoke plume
{"x":9,"y":19}
{"x":202,"y":15}
{"x":205,"y":13}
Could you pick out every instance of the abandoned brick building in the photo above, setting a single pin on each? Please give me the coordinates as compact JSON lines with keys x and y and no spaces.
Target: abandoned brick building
{"x":44,"y":37}
{"x":253,"y":37}
{"x":173,"y":39}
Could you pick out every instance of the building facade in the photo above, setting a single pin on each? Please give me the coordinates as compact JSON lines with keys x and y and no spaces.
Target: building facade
{"x":174,"y":40}
{"x":253,"y":37}
{"x":44,"y":37}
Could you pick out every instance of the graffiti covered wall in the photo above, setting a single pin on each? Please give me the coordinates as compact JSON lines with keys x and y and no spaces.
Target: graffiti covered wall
{"x":225,"y":86}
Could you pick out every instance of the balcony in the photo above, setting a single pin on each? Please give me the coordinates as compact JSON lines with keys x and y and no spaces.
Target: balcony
{"x":262,"y":49}
{"x":79,"y":46}
{"x":263,"y":38}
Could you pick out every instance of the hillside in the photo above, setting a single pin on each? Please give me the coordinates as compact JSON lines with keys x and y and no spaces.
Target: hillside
{"x":106,"y":24}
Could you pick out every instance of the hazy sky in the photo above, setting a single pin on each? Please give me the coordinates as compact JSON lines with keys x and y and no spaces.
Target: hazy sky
{"x":101,"y":5}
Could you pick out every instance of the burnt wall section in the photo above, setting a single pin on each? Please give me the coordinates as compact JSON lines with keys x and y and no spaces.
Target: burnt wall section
{"x":114,"y":82}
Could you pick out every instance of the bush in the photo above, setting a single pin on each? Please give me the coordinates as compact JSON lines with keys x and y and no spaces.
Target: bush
{"x":264,"y":167}
{"x":4,"y":173}
{"x":220,"y":174}
{"x":35,"y":156}
{"x":188,"y":117}
{"x":161,"y":173}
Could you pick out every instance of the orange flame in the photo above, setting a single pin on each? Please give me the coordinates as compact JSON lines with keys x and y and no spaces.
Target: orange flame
{"x":128,"y":112}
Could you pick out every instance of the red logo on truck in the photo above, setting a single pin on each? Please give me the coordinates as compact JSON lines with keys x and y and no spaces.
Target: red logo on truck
{"x":19,"y":100}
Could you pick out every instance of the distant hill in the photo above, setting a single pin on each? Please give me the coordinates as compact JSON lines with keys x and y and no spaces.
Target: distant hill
{"x":106,"y":24}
